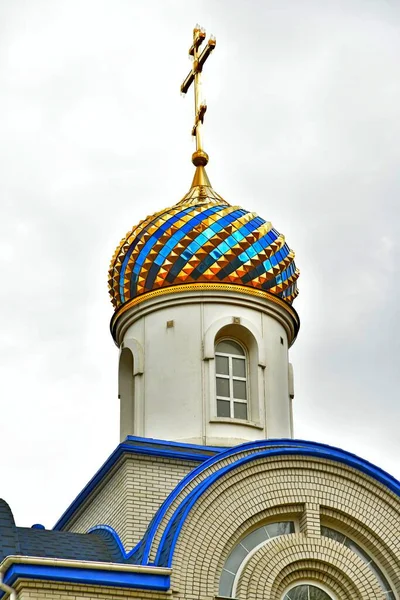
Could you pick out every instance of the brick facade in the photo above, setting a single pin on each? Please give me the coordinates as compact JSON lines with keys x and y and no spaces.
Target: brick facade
{"x":130,"y":496}
{"x":309,"y":491}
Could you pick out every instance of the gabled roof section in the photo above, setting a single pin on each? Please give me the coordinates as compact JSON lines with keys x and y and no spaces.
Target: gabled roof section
{"x":142,"y":446}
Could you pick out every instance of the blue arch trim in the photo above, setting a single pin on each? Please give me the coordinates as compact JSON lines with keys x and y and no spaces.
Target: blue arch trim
{"x":263,"y":448}
{"x":113,"y":540}
{"x":140,"y":554}
{"x":137,"y":445}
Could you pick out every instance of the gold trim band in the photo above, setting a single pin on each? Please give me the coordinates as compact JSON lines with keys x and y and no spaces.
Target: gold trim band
{"x":204,"y":287}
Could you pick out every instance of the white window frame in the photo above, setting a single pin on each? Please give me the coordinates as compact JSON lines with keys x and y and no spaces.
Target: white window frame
{"x":231,"y":378}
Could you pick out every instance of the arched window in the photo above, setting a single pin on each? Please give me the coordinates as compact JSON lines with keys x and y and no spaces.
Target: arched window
{"x":231,"y":380}
{"x":306,"y":591}
{"x":244,"y":549}
{"x":349,"y":543}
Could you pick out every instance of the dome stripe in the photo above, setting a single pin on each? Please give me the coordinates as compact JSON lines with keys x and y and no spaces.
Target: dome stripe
{"x":268,"y":264}
{"x":255,"y":248}
{"x":174,"y":240}
{"x":144,"y":252}
{"x":208,"y":233}
{"x":137,"y":284}
{"x":194,"y":246}
{"x":138,"y":239}
{"x":230,"y":242}
{"x":159,"y":233}
{"x":280,"y":278}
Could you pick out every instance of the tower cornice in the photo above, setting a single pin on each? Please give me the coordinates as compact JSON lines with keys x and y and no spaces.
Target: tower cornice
{"x":206,"y":293}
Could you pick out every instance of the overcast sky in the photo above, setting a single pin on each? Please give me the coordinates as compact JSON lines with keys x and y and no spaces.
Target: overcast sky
{"x":303,"y":126}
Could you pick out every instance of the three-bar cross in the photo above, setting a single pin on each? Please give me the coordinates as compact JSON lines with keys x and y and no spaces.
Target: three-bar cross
{"x":199,"y":158}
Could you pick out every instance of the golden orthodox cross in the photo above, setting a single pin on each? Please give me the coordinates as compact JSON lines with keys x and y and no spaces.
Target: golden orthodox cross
{"x":200,"y":157}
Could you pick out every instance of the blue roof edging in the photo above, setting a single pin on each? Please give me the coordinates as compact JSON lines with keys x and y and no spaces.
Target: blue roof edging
{"x":137,"y":445}
{"x":207,"y":456}
{"x":139,"y":554}
{"x":126,"y":579}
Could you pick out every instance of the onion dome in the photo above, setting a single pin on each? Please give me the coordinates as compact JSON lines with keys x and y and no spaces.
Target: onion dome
{"x":202,"y":241}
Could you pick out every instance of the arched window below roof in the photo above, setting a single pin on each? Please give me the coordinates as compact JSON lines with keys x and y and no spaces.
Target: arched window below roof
{"x":232,"y":382}
{"x":244,"y":549}
{"x":341,"y":538}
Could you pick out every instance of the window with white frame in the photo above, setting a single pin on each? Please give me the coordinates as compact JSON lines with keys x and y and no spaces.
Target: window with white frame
{"x":231,"y":380}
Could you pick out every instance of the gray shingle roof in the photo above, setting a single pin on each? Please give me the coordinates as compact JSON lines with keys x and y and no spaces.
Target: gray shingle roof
{"x":97,"y":546}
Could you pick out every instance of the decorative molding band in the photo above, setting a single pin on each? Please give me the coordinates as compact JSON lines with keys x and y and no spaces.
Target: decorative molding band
{"x":74,"y":572}
{"x":204,"y":292}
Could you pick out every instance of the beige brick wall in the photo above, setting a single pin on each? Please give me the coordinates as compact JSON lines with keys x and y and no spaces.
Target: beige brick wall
{"x":132,"y":494}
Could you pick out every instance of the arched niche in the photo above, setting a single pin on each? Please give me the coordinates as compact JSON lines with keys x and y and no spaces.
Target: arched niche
{"x":247,"y":335}
{"x":245,"y":330}
{"x":130,"y":390}
{"x":126,"y":393}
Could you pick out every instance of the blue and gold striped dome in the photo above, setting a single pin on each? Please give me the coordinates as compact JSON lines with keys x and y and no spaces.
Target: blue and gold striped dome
{"x":202,"y":239}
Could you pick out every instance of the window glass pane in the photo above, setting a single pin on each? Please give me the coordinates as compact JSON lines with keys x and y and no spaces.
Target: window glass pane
{"x":238,"y":367}
{"x":356,"y":548}
{"x":240,"y":410}
{"x":307,"y":592}
{"x":383,"y":582}
{"x":226,"y":584}
{"x":282,"y":528}
{"x":223,"y":408}
{"x":334,"y":535}
{"x":229,"y":347}
{"x":254,"y":538}
{"x":222,"y":365}
{"x":235,"y":558}
{"x":222,"y":387}
{"x":239,"y":389}
{"x":318,"y":594}
{"x":241,"y":550}
{"x":298,"y":593}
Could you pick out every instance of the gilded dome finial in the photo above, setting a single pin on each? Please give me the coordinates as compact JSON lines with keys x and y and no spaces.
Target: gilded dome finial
{"x":199,"y":157}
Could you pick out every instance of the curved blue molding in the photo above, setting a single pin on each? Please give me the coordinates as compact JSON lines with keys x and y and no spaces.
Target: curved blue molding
{"x":207,"y":456}
{"x":113,"y":541}
{"x":276,"y":448}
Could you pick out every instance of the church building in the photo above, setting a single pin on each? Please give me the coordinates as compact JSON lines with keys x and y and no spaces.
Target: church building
{"x":208,"y":496}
